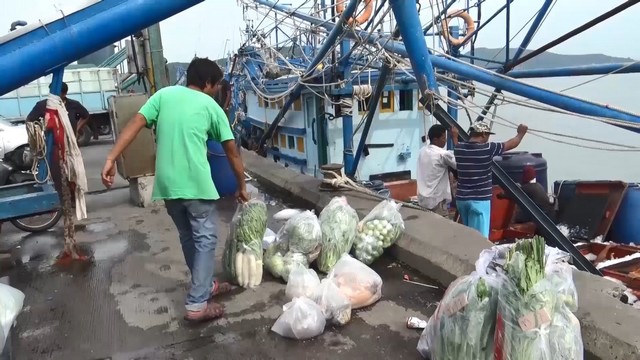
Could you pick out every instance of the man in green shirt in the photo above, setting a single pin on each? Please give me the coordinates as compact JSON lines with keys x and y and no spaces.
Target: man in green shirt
{"x":185,"y":118}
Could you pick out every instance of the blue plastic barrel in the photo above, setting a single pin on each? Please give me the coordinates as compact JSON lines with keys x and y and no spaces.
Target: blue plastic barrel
{"x":221,"y":173}
{"x":626,"y":225}
{"x":513,"y":164}
{"x":565,"y":191}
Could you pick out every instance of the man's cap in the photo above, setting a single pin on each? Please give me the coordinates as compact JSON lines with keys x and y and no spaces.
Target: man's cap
{"x":481,"y":127}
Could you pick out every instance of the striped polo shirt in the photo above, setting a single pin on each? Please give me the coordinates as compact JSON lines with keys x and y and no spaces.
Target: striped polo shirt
{"x":474,"y":169}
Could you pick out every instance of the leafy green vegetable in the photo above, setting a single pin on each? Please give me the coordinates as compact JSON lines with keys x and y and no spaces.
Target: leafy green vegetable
{"x":464,"y":322}
{"x":302,"y":233}
{"x":532,"y":302}
{"x":338,"y":222}
{"x":251,"y":225}
{"x":292,"y":261}
{"x":246,"y":231}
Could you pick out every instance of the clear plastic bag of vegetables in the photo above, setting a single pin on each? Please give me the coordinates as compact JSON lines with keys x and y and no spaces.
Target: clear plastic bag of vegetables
{"x":384,"y":222}
{"x":338,"y":222}
{"x":302,"y":282}
{"x":565,"y":337}
{"x":334,"y":304}
{"x":292,"y":261}
{"x":243,"y":251}
{"x":302,"y":319}
{"x":302,"y":234}
{"x":532,"y":299}
{"x":368,"y":248}
{"x":358,"y":282}
{"x":463,"y":325}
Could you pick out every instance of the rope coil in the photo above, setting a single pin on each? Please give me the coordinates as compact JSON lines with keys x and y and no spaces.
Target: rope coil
{"x":38,"y":147}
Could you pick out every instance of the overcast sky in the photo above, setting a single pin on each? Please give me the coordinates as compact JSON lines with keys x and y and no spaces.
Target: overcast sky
{"x":207,"y":28}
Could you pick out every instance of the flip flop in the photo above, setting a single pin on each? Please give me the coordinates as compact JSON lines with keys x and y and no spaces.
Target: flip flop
{"x":220,"y":288}
{"x":213,"y":311}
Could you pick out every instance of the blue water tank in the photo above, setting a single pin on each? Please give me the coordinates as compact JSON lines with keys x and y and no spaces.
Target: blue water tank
{"x":514,"y":162}
{"x":221,"y":173}
{"x":626,"y":226}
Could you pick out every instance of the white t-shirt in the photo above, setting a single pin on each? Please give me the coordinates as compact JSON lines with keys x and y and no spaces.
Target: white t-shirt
{"x":433,"y":175}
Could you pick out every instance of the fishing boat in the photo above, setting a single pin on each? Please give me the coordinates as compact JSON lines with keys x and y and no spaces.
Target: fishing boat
{"x":350,"y":88}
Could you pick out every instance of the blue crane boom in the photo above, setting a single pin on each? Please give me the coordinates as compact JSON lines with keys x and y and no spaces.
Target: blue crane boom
{"x":625,"y":119}
{"x":32,"y":53}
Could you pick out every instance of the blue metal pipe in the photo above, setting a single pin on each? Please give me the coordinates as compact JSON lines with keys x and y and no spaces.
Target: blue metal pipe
{"x":619,"y":68}
{"x":347,"y":119}
{"x":452,"y":95}
{"x":486,"y":77}
{"x":532,"y":30}
{"x":93,"y":33}
{"x":336,"y":31}
{"x":55,"y":88}
{"x":415,"y":45}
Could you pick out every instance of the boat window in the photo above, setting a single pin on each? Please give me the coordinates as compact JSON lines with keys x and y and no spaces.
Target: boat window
{"x":260,"y":101}
{"x":274,"y":139}
{"x":300,"y":144}
{"x":362,"y":104}
{"x":283,"y":140}
{"x":272,"y":104}
{"x":405,"y":100}
{"x":281,"y":103}
{"x":297,"y":105}
{"x":291,"y":142}
{"x":386,"y":101}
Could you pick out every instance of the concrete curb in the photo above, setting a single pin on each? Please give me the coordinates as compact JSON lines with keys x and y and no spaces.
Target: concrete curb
{"x":444,"y":250}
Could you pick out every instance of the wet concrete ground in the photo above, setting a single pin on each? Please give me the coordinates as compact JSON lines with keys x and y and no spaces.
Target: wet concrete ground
{"x":128,"y":304}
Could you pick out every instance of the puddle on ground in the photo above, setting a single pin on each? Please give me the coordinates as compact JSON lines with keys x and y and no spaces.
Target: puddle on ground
{"x":99,"y":227}
{"x":36,"y":246}
{"x":109,"y":249}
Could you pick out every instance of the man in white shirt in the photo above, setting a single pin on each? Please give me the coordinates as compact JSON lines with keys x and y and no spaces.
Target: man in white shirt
{"x":434,"y":161}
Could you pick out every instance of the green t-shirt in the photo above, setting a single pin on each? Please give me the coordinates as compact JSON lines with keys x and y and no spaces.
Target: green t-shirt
{"x":184,"y":119}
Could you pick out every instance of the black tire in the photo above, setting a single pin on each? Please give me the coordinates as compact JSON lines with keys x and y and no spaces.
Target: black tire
{"x":104,"y":130}
{"x":35,"y":229}
{"x":39,"y":228}
{"x":84,"y":137}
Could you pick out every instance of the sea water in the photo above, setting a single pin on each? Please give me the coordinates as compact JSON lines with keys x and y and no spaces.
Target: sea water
{"x":566,"y":162}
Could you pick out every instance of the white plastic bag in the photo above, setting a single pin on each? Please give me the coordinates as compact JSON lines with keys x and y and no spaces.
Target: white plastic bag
{"x":268,"y":238}
{"x":11,"y":301}
{"x":286,"y":214}
{"x":381,"y":228}
{"x":302,"y":282}
{"x":302,"y":319}
{"x":358,"y":282}
{"x":335,"y":305}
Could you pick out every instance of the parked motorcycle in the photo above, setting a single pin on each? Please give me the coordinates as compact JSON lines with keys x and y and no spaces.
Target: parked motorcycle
{"x":15,"y":168}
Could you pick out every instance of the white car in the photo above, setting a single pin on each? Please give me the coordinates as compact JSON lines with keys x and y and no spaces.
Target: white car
{"x":12,"y":136}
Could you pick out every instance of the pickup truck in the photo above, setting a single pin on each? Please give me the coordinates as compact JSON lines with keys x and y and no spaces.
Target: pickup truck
{"x":92,"y":87}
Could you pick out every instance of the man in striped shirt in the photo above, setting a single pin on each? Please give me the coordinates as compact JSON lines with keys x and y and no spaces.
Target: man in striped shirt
{"x":473,"y":159}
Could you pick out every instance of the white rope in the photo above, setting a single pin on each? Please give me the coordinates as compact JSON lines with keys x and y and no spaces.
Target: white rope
{"x":38,"y":147}
{"x":342,"y":182}
{"x":361,"y":92}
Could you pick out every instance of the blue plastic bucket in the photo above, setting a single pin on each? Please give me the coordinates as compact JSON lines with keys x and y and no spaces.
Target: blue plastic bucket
{"x":221,"y":173}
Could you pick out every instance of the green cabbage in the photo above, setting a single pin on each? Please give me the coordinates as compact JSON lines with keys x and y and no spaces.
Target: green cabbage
{"x":338,"y":222}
